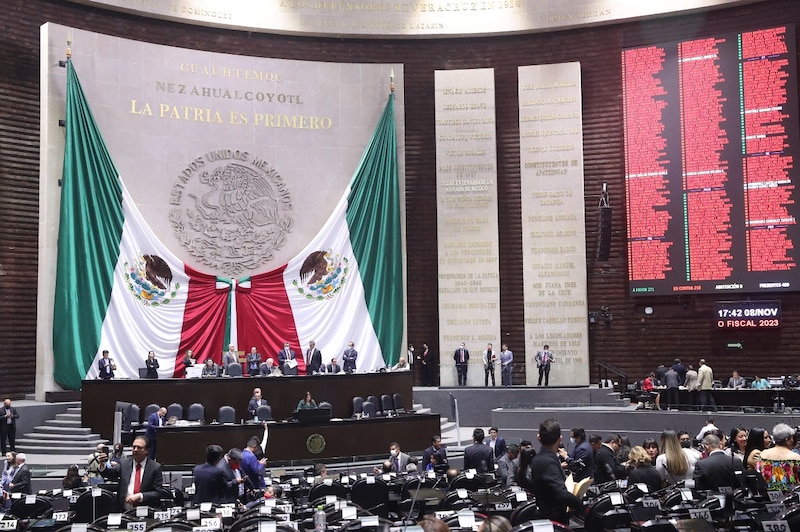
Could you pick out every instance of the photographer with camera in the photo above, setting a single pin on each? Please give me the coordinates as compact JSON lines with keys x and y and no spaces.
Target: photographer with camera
{"x":93,"y":462}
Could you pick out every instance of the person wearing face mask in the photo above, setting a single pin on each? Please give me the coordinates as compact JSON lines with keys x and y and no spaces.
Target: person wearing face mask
{"x":580,"y":460}
{"x":397,"y":458}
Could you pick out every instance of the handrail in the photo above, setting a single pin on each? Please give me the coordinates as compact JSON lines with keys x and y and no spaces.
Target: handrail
{"x":603,"y":370}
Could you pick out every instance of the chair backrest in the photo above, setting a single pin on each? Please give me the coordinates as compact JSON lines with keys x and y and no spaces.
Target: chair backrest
{"x":135,"y":414}
{"x":89,"y":508}
{"x":323,"y":489}
{"x":227,"y":414}
{"x":41,"y":507}
{"x":358,"y":404}
{"x":197,"y":412}
{"x":150,"y":409}
{"x":234,"y":369}
{"x":369,"y":409}
{"x":469,"y":482}
{"x":175,"y":409}
{"x":387,"y":404}
{"x":325,"y":405}
{"x":264,"y":413}
{"x":369,"y":496}
{"x":374,"y":400}
{"x":397,"y":399}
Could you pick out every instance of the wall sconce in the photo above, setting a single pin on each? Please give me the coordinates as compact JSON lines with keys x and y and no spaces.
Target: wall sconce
{"x":606,"y":314}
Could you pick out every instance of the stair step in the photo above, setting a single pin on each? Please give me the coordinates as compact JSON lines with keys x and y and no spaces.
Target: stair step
{"x":57,"y":429}
{"x":64,"y":442}
{"x":62,"y":423}
{"x":49,"y":449}
{"x":74,"y":410}
{"x":423,"y":411}
{"x":54,"y":436}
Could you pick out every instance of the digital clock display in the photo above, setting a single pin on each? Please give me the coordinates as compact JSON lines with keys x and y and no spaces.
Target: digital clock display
{"x":748,"y":314}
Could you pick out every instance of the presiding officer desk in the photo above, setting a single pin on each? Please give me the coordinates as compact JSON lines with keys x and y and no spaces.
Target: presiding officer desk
{"x":287,"y":441}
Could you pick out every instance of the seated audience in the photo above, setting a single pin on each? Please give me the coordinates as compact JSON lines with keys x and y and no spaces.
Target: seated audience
{"x":210,"y":369}
{"x":718,"y":469}
{"x":676,"y":463}
{"x":736,"y":382}
{"x":306,"y":403}
{"x":757,"y":440}
{"x":73,"y":479}
{"x":780,"y":465}
{"x":643,"y":471}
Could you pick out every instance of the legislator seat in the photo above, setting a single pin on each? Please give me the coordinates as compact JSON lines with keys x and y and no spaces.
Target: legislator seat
{"x":374,"y":400}
{"x":264,"y":413}
{"x":227,"y":414}
{"x":387,"y":405}
{"x":397,"y":399}
{"x":234,"y":369}
{"x":358,"y":405}
{"x":150,"y":409}
{"x":369,"y":409}
{"x":197,"y":412}
{"x":175,"y":409}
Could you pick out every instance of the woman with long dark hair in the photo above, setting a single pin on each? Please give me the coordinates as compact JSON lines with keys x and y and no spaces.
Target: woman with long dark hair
{"x":757,"y":440}
{"x":523,"y":476}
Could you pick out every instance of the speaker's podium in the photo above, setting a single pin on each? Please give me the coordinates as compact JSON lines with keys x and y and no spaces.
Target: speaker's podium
{"x":312,"y":415}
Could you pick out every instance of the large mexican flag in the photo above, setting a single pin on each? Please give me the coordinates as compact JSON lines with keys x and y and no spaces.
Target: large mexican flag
{"x":119,"y":288}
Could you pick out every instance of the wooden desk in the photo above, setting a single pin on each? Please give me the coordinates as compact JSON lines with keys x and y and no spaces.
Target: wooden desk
{"x":99,"y":397}
{"x":745,"y":398}
{"x":294,"y":441}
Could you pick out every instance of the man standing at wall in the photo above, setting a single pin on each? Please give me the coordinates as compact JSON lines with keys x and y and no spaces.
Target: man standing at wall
{"x":544,"y":359}
{"x":705,"y":381}
{"x":461,"y":357}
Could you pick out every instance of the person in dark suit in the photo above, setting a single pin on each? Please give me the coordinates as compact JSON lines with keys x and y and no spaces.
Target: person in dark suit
{"x":105,"y":366}
{"x":498,"y":445}
{"x":718,"y":469}
{"x":349,"y":358}
{"x":333,"y":367}
{"x":547,"y":476}
{"x":643,"y":471}
{"x":236,"y":482}
{"x":461,"y":358}
{"x":287,"y":360}
{"x":254,"y":361}
{"x":21,"y":481}
{"x":607,"y":466}
{"x":313,"y":358}
{"x":478,"y":456}
{"x":8,"y":426}
{"x":255,"y":402}
{"x":138,"y":465}
{"x":209,"y":480}
{"x":151,"y":363}
{"x":436,"y":447}
{"x":155,"y":420}
{"x":581,"y":460}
